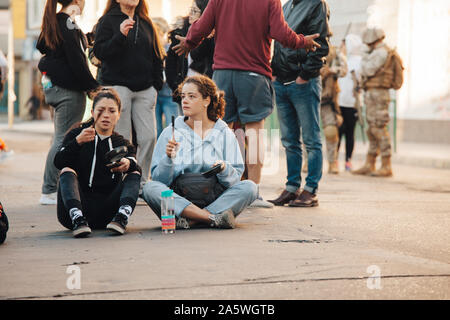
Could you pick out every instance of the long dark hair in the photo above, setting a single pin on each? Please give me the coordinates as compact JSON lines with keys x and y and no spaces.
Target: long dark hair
{"x":142,"y":11}
{"x":102,"y":93}
{"x":50,"y":31}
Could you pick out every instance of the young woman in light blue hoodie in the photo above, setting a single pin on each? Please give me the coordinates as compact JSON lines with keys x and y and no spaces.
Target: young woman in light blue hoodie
{"x":200,"y":141}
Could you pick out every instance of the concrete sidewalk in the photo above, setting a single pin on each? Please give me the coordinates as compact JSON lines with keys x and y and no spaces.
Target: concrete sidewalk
{"x":416,"y":154}
{"x":370,"y":238}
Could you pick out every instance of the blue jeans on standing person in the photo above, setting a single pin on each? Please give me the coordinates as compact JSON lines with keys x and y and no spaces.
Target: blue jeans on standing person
{"x":298,"y":113}
{"x":165,"y":105}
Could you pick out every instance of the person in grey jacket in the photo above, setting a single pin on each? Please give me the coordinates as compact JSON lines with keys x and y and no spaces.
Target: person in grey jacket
{"x":199,"y":141}
{"x":298,"y":90}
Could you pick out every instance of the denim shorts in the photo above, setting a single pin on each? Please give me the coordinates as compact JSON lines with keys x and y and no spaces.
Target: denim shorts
{"x":250,"y":96}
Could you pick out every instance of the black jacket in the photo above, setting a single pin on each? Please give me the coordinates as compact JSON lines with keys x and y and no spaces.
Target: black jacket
{"x":66,"y":66}
{"x":177,"y":66}
{"x":127,"y":61}
{"x":306,"y":17}
{"x":80,"y":158}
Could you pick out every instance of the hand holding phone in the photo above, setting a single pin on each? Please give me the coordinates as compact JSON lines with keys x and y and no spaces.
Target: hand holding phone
{"x":217,"y":168}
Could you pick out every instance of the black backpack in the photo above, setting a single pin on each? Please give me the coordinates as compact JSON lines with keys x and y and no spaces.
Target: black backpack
{"x":3,"y":224}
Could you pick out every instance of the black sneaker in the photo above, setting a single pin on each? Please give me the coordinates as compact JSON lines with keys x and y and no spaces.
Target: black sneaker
{"x":3,"y":224}
{"x":81,"y":228}
{"x":118,"y":224}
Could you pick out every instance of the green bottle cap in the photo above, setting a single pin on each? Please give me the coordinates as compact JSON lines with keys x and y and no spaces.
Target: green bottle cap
{"x":167,"y":193}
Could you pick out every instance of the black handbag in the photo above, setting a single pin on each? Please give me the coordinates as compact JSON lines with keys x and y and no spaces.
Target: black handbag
{"x":198,"y":189}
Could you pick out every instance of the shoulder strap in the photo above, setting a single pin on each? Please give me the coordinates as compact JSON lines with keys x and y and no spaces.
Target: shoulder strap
{"x":391,"y":53}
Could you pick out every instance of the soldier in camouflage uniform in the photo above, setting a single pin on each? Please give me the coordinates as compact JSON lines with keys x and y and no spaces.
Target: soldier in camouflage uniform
{"x":335,"y":67}
{"x":376,"y":98}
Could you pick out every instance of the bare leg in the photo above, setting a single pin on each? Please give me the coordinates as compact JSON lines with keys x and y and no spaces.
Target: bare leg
{"x":255,"y":154}
{"x":196,"y":215}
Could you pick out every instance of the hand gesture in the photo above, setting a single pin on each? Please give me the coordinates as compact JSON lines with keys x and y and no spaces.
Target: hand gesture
{"x":126,"y":26}
{"x":172,"y":148}
{"x":181,"y":48}
{"x":87,"y":135}
{"x":124,"y":166}
{"x":310,"y":44}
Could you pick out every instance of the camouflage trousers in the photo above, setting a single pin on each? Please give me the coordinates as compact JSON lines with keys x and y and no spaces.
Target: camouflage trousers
{"x":330,"y":128}
{"x":377,"y":115}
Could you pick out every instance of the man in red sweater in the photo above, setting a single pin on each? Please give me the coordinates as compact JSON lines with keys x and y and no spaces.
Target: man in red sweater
{"x":243,"y":35}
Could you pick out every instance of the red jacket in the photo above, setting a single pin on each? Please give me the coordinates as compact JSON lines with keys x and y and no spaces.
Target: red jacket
{"x":243,"y":33}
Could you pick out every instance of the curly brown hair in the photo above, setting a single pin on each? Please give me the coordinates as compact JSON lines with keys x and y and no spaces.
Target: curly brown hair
{"x":207,"y":88}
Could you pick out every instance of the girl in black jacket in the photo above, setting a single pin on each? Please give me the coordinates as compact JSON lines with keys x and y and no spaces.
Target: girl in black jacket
{"x":127,"y":44}
{"x":67,"y":77}
{"x":91,"y":193}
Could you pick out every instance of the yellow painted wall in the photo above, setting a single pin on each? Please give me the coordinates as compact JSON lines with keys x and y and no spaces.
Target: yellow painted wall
{"x":19,"y":14}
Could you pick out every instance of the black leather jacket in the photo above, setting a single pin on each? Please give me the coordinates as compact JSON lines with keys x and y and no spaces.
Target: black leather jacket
{"x":306,"y":17}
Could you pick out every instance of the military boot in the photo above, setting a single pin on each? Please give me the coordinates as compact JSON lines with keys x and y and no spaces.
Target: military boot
{"x":385,"y":170}
{"x":333,"y":167}
{"x":368,"y":167}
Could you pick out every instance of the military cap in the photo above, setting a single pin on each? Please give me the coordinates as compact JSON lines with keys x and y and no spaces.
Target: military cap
{"x":370,"y":35}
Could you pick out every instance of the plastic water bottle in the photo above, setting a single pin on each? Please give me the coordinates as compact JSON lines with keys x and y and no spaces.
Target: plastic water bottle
{"x":46,"y":82}
{"x":167,"y":212}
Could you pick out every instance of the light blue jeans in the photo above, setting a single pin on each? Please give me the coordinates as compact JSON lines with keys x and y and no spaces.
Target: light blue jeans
{"x":237,"y":198}
{"x":298,"y":113}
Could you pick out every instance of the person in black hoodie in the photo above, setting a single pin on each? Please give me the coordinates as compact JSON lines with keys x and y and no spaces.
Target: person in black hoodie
{"x":91,"y":193}
{"x":199,"y":60}
{"x":129,"y":48}
{"x":67,"y":78}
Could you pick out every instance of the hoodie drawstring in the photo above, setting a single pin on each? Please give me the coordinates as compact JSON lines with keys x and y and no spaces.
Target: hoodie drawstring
{"x":110,"y":148}
{"x":94,"y":159}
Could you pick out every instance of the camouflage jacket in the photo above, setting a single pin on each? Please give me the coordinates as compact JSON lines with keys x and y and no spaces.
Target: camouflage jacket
{"x":372,"y":62}
{"x":335,"y":67}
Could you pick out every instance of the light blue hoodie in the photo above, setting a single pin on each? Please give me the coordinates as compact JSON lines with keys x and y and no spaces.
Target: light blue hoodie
{"x":197,"y":155}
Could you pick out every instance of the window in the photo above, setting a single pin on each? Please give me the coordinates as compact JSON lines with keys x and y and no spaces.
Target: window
{"x":35,"y":11}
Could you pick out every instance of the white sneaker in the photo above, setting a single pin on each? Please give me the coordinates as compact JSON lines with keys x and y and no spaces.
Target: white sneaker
{"x":260,"y":203}
{"x":48,"y":199}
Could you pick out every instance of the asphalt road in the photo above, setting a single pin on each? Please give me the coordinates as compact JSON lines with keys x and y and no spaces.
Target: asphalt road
{"x":370,"y":238}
